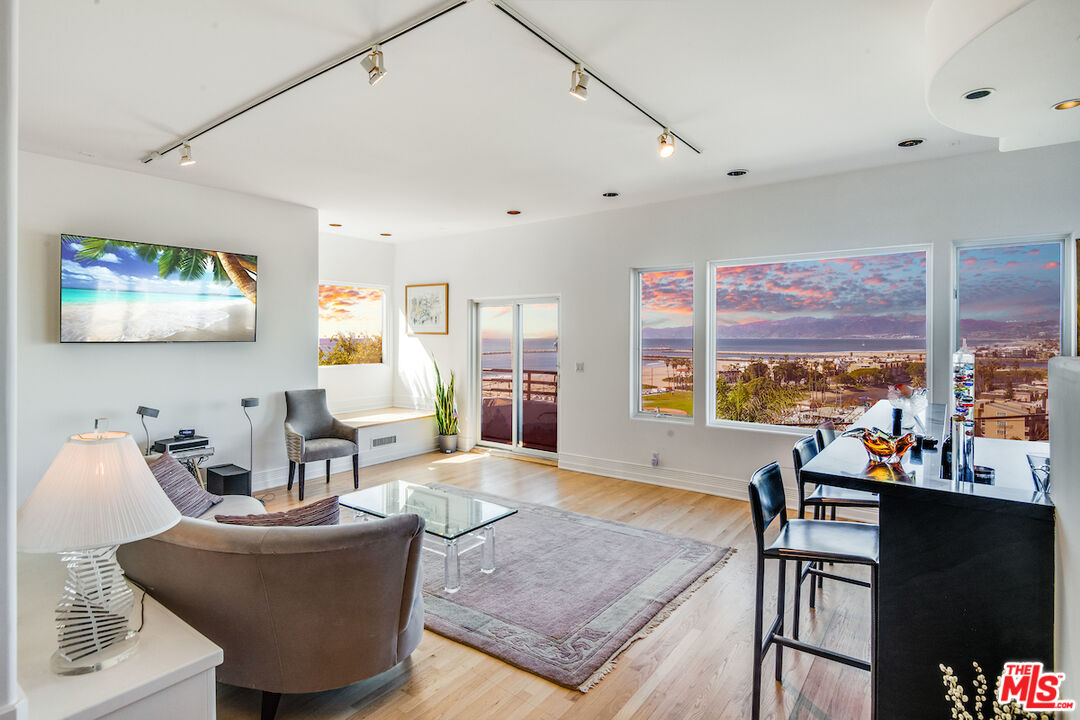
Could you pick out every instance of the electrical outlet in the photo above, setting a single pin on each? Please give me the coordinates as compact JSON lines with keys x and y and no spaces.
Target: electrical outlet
{"x":656,"y":459}
{"x":580,"y":367}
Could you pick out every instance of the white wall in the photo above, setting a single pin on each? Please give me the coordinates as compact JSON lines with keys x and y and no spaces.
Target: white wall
{"x":587,"y":261}
{"x":354,"y":261}
{"x":1065,"y":454}
{"x":63,"y":387}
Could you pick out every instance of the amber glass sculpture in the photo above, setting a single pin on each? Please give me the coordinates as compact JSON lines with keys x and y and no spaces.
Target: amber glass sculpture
{"x":880,"y":445}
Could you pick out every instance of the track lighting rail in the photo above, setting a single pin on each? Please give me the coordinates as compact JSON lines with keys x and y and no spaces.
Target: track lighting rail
{"x":298,"y":81}
{"x":557,"y":47}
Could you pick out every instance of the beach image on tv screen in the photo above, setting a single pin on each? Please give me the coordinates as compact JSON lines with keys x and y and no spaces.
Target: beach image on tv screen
{"x":121,"y":291}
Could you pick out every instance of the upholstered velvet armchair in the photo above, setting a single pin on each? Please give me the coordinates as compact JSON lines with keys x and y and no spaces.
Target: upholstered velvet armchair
{"x":296,"y":609}
{"x":313,"y":434}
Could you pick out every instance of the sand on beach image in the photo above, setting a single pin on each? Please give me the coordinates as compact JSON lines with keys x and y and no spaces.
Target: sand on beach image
{"x":185,"y":319}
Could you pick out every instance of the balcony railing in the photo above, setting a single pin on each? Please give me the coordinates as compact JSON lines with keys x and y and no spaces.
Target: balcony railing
{"x":538,"y":385}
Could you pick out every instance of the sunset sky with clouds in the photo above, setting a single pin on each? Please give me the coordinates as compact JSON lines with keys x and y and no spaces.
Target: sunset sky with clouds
{"x":346,"y":309}
{"x":893,"y":284}
{"x":1011,"y":283}
{"x":667,"y":299}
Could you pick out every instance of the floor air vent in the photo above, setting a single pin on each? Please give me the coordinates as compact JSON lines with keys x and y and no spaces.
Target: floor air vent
{"x":379,"y":442}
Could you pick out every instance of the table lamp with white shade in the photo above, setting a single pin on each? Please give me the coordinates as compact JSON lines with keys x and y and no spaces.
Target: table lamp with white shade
{"x":97,"y":494}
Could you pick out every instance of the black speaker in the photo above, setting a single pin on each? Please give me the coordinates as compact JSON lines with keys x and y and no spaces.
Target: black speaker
{"x":228,"y":480}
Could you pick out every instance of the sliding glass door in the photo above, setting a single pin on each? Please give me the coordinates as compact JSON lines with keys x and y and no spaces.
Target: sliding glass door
{"x":517,"y":344}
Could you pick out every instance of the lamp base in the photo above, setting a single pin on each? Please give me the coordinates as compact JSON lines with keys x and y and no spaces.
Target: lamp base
{"x":115,"y":653}
{"x":92,"y":616}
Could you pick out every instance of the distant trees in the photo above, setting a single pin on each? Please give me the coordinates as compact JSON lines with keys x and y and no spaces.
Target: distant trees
{"x":760,"y":399}
{"x":352,"y":349}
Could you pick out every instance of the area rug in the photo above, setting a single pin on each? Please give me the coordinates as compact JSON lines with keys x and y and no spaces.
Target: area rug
{"x":570,"y":592}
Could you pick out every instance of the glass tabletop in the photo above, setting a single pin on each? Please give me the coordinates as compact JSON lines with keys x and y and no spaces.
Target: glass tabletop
{"x":447,"y":515}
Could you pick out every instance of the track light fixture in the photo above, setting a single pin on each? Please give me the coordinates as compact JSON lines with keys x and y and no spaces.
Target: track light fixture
{"x":579,"y":83}
{"x":667,"y":143}
{"x":185,"y":156}
{"x":374,"y":65}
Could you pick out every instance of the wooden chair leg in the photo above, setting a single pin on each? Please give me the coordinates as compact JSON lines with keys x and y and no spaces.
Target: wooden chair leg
{"x":270,"y":701}
{"x":759,"y":609}
{"x":781,"y":601}
{"x":356,"y":471}
{"x":328,"y":471}
{"x":292,"y":471}
{"x":302,"y":468}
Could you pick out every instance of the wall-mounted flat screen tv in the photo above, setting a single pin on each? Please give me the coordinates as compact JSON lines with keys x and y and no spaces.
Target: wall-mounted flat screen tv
{"x":123,"y":291}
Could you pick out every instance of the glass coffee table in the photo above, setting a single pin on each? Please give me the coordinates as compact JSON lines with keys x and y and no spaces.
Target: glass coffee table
{"x":456,"y":524}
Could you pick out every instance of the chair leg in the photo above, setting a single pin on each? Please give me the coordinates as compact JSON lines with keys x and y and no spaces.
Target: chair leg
{"x":832,"y":515}
{"x":270,"y":701}
{"x":759,"y":601}
{"x":781,"y":601}
{"x":356,"y":471}
{"x":328,"y":471}
{"x":813,"y":578}
{"x":292,"y":471}
{"x":798,"y":600}
{"x":873,"y":641}
{"x":302,"y":468}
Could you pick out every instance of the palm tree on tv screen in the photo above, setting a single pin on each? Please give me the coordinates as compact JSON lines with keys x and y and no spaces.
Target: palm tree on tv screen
{"x":187,"y":263}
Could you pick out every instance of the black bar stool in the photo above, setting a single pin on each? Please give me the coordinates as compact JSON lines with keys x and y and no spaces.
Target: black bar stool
{"x":824,"y":501}
{"x":805,"y":541}
{"x":824,"y":435}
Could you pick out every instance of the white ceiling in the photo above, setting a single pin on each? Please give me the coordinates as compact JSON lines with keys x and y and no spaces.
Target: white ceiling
{"x":474,"y":117}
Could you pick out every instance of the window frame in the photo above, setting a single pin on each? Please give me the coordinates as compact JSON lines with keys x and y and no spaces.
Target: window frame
{"x":711,"y":420}
{"x":1067,"y":307}
{"x":636,"y":412}
{"x":386,"y":359}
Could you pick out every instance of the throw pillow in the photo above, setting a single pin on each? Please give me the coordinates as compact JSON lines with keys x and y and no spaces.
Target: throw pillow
{"x":181,"y":486}
{"x":320,"y":512}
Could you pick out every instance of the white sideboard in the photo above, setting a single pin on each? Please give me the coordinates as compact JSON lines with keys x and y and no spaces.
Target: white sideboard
{"x":170,"y":676}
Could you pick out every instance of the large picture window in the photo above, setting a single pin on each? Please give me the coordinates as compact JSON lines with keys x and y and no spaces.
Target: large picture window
{"x":665,"y":342}
{"x":1008,"y":308}
{"x":820,"y":340}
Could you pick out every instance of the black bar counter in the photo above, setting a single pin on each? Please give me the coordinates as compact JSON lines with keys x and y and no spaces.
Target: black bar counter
{"x":967,"y":570}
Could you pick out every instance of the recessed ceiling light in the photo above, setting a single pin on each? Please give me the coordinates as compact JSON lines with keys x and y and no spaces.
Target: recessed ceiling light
{"x":385,"y":234}
{"x":611,"y":194}
{"x":335,"y":224}
{"x":513,"y":212}
{"x":738,"y":172}
{"x":978,"y":94}
{"x":1068,"y":104}
{"x":911,"y":142}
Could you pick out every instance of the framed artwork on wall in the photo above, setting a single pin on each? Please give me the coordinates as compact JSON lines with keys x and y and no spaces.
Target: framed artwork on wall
{"x":426,"y":308}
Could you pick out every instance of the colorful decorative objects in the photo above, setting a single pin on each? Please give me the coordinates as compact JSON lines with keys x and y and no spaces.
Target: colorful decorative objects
{"x":880,"y":445}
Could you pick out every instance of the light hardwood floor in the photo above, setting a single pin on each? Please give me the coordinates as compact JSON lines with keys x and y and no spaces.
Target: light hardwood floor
{"x":697,"y":664}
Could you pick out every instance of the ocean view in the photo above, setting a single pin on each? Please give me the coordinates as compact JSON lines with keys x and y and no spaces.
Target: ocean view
{"x":76,"y":296}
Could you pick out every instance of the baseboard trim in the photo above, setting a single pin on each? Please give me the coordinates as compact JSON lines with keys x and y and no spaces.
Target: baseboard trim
{"x":708,"y":483}
{"x":279,"y":476}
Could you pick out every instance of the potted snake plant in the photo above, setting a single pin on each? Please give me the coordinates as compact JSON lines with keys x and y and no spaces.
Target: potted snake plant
{"x":445,"y":412}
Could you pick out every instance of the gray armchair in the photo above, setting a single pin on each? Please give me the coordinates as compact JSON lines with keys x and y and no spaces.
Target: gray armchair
{"x":250,"y":590}
{"x":313,"y":434}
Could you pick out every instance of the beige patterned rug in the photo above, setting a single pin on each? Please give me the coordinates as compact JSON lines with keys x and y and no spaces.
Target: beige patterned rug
{"x":570,"y":592}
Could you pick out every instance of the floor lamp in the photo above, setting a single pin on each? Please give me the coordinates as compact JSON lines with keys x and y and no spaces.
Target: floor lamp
{"x":250,"y":403}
